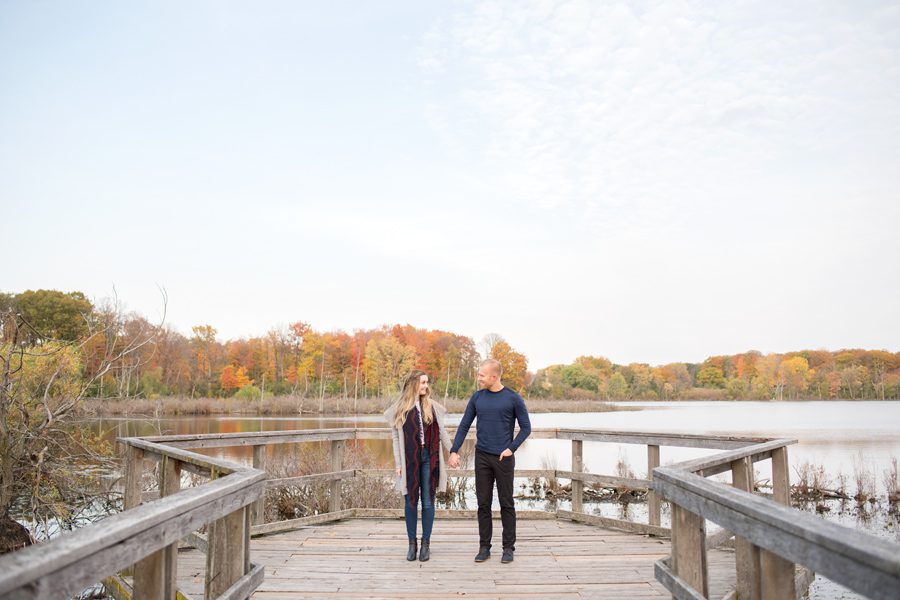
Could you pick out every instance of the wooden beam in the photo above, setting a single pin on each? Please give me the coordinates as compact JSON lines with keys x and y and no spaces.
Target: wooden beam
{"x":258,"y":513}
{"x":600,"y":521}
{"x":689,"y":549}
{"x":302,"y":480}
{"x":654,"y":506}
{"x":225,"y":559}
{"x":746,"y":554}
{"x":337,"y":463}
{"x":679,"y":588}
{"x":707,"y":466}
{"x":610,"y":481}
{"x":777,"y":573}
{"x":577,"y":467}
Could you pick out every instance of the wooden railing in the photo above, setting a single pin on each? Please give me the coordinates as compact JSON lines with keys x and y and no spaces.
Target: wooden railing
{"x":143,"y":540}
{"x":770,"y":536}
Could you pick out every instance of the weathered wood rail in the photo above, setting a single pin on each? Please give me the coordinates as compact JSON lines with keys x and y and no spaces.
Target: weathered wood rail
{"x":770,"y":538}
{"x":144,"y":538}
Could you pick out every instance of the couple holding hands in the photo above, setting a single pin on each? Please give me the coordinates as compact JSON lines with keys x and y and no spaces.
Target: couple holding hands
{"x":418,"y":425}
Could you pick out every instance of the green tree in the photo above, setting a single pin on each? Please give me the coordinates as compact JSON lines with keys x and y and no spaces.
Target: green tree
{"x":617,"y":388}
{"x":711,"y":377}
{"x":54,"y":315}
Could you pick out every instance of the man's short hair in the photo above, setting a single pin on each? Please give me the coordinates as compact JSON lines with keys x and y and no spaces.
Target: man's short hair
{"x":495,"y":364}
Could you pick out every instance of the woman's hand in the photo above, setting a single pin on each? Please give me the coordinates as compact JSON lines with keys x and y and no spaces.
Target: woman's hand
{"x":397,"y":472}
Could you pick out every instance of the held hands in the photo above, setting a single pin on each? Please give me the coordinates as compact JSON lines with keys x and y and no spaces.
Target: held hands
{"x":506,"y":454}
{"x":454,"y":460}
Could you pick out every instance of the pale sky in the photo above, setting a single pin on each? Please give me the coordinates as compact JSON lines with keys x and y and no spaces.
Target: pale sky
{"x":648,"y":181}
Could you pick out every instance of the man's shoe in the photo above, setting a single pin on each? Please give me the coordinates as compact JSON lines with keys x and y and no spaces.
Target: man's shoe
{"x":411,"y":553}
{"x":483,"y":555}
{"x":425,"y":552}
{"x":507,"y":556}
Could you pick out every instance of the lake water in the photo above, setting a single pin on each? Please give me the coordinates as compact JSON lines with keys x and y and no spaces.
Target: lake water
{"x":841,"y":436}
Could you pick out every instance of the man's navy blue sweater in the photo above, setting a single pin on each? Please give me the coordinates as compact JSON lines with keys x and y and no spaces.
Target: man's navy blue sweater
{"x":497,"y":413}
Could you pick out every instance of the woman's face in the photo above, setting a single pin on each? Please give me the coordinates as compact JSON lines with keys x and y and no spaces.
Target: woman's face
{"x":423,"y":385}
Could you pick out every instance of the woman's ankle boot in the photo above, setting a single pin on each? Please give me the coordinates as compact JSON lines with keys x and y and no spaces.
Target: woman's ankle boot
{"x":411,"y":554}
{"x":425,"y":552}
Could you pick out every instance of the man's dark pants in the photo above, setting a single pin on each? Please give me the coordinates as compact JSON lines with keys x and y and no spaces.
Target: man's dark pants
{"x":489,"y":469}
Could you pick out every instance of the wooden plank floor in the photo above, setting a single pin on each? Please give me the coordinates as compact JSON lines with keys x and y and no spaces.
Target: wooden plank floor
{"x":366,"y":558}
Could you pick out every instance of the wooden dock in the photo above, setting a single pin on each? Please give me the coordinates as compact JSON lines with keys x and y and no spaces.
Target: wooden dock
{"x":356,"y":552}
{"x":366,"y":558}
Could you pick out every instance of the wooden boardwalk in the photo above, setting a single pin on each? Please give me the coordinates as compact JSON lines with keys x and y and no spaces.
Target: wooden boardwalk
{"x":366,"y":558}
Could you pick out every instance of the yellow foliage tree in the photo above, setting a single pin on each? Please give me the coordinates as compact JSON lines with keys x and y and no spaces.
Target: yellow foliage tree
{"x":387,"y":360}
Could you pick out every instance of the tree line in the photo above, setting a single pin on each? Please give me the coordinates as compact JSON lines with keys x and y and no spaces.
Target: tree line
{"x":297,"y":359}
{"x":852,"y":374}
{"x":291,"y":359}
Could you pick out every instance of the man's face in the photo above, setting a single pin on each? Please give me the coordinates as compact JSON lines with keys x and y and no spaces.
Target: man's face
{"x":486,"y":377}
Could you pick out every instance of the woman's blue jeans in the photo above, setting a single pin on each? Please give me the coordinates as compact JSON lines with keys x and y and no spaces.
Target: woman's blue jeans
{"x":411,"y":506}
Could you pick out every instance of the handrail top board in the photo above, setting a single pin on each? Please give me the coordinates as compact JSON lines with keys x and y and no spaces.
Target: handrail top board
{"x":709,"y":465}
{"x":258,"y":438}
{"x":185,"y":456}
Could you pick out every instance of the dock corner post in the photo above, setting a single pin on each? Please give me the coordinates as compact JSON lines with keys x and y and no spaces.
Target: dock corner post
{"x":226,"y":557}
{"x":689,"y":549}
{"x":577,"y":467}
{"x":653,"y":502}
{"x":134,"y":472}
{"x":155,"y":574}
{"x":746,"y":554}
{"x":777,"y":573}
{"x":258,"y":510}
{"x":337,"y":463}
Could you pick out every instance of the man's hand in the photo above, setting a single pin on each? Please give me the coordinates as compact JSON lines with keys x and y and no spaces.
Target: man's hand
{"x":505,"y":454}
{"x":398,"y":471}
{"x":454,"y":460}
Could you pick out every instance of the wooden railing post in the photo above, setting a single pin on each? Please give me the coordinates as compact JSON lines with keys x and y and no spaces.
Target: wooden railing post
{"x":225,"y":560}
{"x":134,"y":472}
{"x":653,"y":503}
{"x":337,"y":463}
{"x":577,"y":467}
{"x":155,"y":575}
{"x":689,"y":549}
{"x":258,"y":511}
{"x":777,"y":573}
{"x":225,"y":557}
{"x":746,"y":554}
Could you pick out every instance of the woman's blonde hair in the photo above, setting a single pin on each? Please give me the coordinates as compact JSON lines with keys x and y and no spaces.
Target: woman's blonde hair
{"x":408,"y":396}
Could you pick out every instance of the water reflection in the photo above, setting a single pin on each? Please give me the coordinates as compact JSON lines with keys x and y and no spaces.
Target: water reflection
{"x":838,"y":435}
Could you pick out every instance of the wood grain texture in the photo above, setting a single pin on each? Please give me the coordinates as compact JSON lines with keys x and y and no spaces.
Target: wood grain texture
{"x":366,"y":558}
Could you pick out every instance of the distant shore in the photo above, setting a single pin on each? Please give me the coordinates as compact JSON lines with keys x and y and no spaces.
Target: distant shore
{"x":294,"y":405}
{"x":289,"y":405}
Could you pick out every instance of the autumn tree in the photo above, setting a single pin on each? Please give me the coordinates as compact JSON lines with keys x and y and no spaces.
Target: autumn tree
{"x":205,"y":351}
{"x":47,"y":462}
{"x":234,"y":378}
{"x":387,"y":360}
{"x":515,"y":365}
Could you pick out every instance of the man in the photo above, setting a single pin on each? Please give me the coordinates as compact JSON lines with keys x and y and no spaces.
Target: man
{"x":497,"y":408}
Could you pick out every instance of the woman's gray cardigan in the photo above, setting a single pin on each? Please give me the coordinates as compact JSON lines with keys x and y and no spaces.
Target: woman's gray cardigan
{"x":400,"y":448}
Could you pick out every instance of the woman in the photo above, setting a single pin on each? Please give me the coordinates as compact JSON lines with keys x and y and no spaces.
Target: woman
{"x":418,"y":431}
